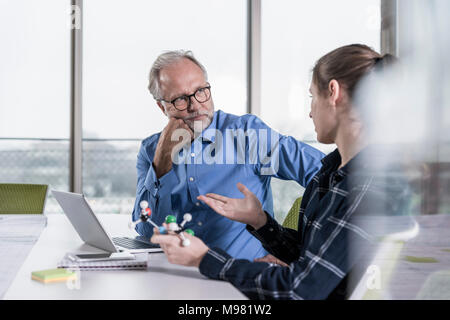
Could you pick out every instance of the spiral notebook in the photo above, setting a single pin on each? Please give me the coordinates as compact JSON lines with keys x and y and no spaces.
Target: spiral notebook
{"x":140,"y":263}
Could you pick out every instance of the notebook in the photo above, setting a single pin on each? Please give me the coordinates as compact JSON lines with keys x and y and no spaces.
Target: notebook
{"x":140,"y":263}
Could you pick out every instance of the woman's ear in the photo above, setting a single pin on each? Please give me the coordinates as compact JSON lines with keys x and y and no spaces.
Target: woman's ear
{"x":334,"y":90}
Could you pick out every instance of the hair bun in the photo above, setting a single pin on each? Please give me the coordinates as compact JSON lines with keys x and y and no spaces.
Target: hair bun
{"x":385,"y":60}
{"x":378,"y":59}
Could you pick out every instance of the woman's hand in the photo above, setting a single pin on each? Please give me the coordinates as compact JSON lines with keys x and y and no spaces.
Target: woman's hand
{"x":247,"y":210}
{"x":271,"y":259}
{"x":171,"y":244}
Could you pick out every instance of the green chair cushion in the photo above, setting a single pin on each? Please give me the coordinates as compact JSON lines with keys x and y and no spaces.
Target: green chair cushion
{"x":291,"y":220}
{"x":22,"y":198}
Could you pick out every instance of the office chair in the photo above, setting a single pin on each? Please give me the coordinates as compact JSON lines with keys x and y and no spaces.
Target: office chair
{"x":22,"y":198}
{"x":291,"y":220}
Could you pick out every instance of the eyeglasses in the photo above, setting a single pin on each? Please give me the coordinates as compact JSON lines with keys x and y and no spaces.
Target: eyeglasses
{"x":183,"y":102}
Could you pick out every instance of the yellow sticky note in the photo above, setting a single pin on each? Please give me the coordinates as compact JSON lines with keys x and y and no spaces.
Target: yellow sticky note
{"x":53,"y":275}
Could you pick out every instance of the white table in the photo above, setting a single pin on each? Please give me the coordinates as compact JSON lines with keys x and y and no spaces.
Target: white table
{"x":161,"y":280}
{"x":18,"y":234}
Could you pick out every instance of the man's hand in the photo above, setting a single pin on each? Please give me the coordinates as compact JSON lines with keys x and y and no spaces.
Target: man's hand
{"x":162,"y":162}
{"x":191,"y":255}
{"x":271,"y":259}
{"x":247,"y":210}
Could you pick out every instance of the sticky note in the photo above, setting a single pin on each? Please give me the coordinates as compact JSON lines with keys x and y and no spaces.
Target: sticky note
{"x":420,"y":259}
{"x":53,"y":275}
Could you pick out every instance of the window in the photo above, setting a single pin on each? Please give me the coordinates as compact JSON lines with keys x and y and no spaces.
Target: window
{"x":295,"y":34}
{"x":34,"y":93}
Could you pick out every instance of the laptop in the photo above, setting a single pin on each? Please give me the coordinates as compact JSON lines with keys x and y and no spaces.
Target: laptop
{"x":91,"y":231}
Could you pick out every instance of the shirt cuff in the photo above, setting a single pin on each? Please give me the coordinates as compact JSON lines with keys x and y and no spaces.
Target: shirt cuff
{"x":153,"y":184}
{"x":215,"y":263}
{"x":268,"y":232}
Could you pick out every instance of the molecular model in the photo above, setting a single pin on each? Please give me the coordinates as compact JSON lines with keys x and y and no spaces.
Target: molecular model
{"x":171,"y":222}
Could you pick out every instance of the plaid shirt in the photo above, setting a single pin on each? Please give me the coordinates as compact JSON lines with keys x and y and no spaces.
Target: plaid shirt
{"x":318,"y":253}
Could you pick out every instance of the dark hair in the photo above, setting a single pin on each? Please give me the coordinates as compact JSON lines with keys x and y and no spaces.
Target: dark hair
{"x":348,"y":65}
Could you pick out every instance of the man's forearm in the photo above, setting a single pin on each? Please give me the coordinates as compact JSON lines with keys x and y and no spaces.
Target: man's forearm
{"x":162,"y":166}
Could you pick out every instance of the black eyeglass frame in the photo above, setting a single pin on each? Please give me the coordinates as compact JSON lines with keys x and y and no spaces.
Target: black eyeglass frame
{"x":188,"y":97}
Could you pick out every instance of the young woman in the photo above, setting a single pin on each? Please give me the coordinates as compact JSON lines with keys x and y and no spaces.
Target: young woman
{"x":317,"y":256}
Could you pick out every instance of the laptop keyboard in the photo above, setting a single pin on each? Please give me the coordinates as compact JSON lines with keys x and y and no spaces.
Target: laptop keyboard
{"x":129,"y":243}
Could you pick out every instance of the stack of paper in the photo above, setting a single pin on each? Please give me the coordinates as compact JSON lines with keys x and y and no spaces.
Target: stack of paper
{"x":139,"y":263}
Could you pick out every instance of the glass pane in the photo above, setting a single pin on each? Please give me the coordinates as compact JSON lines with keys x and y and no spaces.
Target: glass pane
{"x":109,"y":174}
{"x":34,"y":93}
{"x":295,"y":34}
{"x":120,"y":44}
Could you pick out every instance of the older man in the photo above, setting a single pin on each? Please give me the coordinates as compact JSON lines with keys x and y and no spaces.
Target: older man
{"x":217,"y":150}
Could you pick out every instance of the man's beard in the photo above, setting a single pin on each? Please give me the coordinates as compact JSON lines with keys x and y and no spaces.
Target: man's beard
{"x":197,"y":126}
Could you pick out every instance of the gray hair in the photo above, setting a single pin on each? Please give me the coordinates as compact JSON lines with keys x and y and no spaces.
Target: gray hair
{"x":165,"y":59}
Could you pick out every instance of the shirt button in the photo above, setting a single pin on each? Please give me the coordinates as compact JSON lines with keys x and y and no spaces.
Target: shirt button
{"x":191,"y":179}
{"x":200,"y":223}
{"x":197,"y":204}
{"x":192,"y":154}
{"x":270,"y":229}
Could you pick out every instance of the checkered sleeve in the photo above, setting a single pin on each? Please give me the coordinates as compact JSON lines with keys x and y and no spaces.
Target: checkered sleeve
{"x":283,"y":243}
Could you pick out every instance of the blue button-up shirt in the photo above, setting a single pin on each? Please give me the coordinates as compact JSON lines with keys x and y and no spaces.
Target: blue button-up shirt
{"x":232,"y":149}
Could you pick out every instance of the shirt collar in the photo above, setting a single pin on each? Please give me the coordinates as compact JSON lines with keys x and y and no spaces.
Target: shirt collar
{"x":333,"y":160}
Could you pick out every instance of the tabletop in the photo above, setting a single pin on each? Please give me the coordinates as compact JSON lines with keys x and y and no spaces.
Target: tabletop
{"x":161,"y":280}
{"x":421,"y":269}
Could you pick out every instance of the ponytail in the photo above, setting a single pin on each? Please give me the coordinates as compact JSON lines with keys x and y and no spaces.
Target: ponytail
{"x":348,"y":65}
